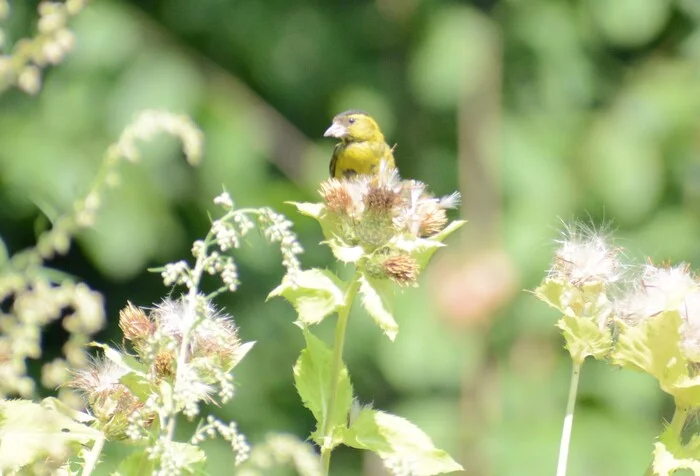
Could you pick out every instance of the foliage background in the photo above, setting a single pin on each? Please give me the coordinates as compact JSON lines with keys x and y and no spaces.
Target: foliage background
{"x":536,"y":110}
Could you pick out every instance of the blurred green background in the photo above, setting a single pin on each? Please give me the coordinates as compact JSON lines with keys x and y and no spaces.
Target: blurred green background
{"x":537,"y":111}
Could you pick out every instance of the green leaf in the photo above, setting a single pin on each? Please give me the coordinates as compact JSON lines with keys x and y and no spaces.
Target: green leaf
{"x":136,"y":464}
{"x":313,"y":377}
{"x":448,"y":230}
{"x":313,"y":210}
{"x":422,"y":249}
{"x":345,"y":253}
{"x":584,"y":337}
{"x":399,"y":442}
{"x":30,"y":431}
{"x":377,"y":298}
{"x":654,"y":347}
{"x":671,"y":455}
{"x":314,"y":293}
{"x":550,"y":292}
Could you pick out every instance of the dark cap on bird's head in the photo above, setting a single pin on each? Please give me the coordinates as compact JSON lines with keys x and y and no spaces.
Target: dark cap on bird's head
{"x":353,"y":125}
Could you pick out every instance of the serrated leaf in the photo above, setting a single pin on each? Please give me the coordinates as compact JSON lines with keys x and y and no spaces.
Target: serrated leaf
{"x":584,"y":338}
{"x":671,"y":455}
{"x":241,"y":352}
{"x":422,"y":249}
{"x":313,"y":210}
{"x":126,"y":362}
{"x":30,"y":431}
{"x":345,"y":253}
{"x":399,"y":442}
{"x":313,"y":378}
{"x":654,"y":347}
{"x":550,"y":292}
{"x":314,"y":293}
{"x":377,"y":299}
{"x":448,"y":230}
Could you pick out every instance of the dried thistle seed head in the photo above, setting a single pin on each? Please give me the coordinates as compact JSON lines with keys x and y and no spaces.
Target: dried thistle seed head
{"x":163,"y":364}
{"x":135,"y":324}
{"x":668,"y":286}
{"x":433,"y":218}
{"x":389,"y":264}
{"x":585,"y":257}
{"x":110,"y":401}
{"x":337,"y":196}
{"x":403,"y":269}
{"x":380,"y":200}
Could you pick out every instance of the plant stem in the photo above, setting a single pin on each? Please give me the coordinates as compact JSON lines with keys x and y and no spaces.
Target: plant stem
{"x":93,"y":456}
{"x":675,"y":427}
{"x":338,"y":344}
{"x":568,"y":420}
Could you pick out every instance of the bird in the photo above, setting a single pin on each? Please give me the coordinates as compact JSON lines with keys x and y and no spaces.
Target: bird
{"x":362,"y":146}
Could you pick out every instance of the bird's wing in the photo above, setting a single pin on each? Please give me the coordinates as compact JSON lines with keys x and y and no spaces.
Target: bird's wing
{"x":334,"y":159}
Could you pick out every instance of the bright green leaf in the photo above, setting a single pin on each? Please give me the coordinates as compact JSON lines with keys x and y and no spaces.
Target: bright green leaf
{"x":312,"y":377}
{"x":397,"y":441}
{"x":671,"y":455}
{"x":653,"y":346}
{"x":313,"y":210}
{"x":377,"y":298}
{"x":314,"y":293}
{"x":136,"y":464}
{"x":345,"y":253}
{"x":30,"y":431}
{"x":584,"y":337}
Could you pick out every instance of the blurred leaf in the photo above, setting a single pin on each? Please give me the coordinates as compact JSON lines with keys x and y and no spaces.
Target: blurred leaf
{"x":630,"y":23}
{"x":29,"y":432}
{"x":453,"y":57}
{"x":138,"y":463}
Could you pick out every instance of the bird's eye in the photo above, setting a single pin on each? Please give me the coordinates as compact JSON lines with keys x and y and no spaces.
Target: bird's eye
{"x":351,"y":120}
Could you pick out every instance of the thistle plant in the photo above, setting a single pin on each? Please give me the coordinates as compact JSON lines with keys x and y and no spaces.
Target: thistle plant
{"x":639,"y":318}
{"x":181,"y":353}
{"x":388,"y":229}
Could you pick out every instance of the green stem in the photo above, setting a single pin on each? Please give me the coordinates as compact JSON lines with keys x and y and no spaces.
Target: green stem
{"x":675,"y":427}
{"x":568,"y":420}
{"x":338,"y":344}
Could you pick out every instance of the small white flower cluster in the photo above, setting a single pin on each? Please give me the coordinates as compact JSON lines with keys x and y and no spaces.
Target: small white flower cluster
{"x":227,"y":233}
{"x":36,"y":304}
{"x":280,"y":450}
{"x":228,"y":432}
{"x":50,"y":45}
{"x":277,"y":229}
{"x":151,"y":122}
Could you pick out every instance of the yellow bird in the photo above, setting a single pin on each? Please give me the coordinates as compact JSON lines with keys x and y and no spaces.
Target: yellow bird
{"x":361,"y":148}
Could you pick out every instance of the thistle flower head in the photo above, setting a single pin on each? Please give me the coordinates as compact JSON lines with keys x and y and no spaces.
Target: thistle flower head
{"x":135,"y":324}
{"x":371,"y":210}
{"x":110,"y":401}
{"x":585,"y":257}
{"x":660,"y":289}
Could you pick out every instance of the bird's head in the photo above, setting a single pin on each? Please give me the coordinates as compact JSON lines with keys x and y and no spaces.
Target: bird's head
{"x":354,"y":126}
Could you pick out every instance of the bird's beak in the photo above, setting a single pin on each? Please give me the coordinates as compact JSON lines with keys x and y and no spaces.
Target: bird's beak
{"x":336,"y":130}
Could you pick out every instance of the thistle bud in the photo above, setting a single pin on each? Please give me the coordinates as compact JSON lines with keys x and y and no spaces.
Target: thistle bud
{"x":135,"y":324}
